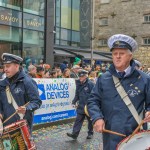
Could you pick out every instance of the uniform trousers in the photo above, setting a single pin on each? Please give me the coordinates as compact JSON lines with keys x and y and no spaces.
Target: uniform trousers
{"x":79,"y":122}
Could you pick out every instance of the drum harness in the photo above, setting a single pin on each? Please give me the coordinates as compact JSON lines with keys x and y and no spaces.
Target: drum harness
{"x":12,"y":101}
{"x":127,"y":101}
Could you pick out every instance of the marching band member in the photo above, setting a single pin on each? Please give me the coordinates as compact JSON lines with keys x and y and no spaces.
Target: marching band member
{"x":16,"y":90}
{"x":107,"y":104}
{"x":83,"y":88}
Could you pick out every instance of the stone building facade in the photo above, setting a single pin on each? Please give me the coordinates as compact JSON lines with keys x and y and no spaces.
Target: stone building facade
{"x":131,"y":17}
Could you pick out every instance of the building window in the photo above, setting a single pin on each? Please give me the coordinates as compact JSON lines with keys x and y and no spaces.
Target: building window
{"x":67,"y":22}
{"x":103,"y":21}
{"x":104,"y":1}
{"x":147,"y":18}
{"x":102,"y":42}
{"x":146,"y":41}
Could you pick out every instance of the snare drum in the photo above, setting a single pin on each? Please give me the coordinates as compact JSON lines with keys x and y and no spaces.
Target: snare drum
{"x":17,"y":136}
{"x":140,"y":141}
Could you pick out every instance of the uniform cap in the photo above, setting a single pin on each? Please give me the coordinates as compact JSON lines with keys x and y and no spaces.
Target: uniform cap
{"x":82,"y":73}
{"x":8,"y":58}
{"x":122,"y":41}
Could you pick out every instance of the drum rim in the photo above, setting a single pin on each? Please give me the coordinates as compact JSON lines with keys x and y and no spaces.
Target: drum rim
{"x":144,"y":131}
{"x":14,"y":124}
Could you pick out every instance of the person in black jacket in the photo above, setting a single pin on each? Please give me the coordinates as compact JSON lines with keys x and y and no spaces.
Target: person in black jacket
{"x":23,"y":90}
{"x":83,"y":89}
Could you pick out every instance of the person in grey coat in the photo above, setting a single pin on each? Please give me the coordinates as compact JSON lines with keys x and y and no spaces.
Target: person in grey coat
{"x":83,"y":88}
{"x":23,"y":90}
{"x":106,"y":107}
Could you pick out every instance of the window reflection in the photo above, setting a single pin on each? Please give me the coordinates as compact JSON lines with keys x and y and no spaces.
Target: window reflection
{"x":33,"y":22}
{"x":8,"y":33}
{"x":34,"y":7}
{"x":14,"y":4}
{"x":33,"y":45}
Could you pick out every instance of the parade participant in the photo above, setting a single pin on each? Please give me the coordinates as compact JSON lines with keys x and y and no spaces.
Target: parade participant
{"x":16,"y":90}
{"x":106,"y":107}
{"x":83,"y":90}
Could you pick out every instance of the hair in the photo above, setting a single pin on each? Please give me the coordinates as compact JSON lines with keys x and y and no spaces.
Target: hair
{"x":31,"y":67}
{"x":65,"y":73}
{"x":129,"y":51}
{"x":39,"y":68}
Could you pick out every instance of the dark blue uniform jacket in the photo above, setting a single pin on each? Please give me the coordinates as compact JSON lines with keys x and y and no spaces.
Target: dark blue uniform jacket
{"x":24,"y":89}
{"x":82,"y":94}
{"x":106,"y":103}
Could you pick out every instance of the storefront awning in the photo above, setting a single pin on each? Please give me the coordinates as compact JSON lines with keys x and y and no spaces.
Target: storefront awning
{"x":95,"y":56}
{"x":63,"y":53}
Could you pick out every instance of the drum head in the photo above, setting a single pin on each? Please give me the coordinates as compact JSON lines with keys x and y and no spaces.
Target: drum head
{"x":140,"y":141}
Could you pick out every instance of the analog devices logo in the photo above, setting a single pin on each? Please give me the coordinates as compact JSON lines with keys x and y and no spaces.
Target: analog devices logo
{"x":41,"y":91}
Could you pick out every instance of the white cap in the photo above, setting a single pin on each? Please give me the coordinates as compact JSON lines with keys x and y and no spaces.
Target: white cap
{"x":122,"y":41}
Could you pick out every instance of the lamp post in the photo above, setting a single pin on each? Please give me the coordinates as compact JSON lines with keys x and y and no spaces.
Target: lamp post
{"x":92,"y":30}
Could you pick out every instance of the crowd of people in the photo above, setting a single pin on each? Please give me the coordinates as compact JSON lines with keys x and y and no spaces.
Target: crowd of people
{"x":63,"y":70}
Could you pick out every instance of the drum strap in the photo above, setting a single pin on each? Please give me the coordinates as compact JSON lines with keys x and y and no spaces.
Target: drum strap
{"x":12,"y":101}
{"x":126,"y":100}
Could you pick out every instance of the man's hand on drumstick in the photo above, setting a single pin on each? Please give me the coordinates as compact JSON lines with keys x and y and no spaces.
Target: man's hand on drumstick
{"x":99,"y":125}
{"x":147,"y":117}
{"x":21,"y":110}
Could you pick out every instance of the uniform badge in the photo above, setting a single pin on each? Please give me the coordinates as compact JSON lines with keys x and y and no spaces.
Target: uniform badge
{"x":117,"y":42}
{"x":86,"y":88}
{"x":132,"y":93}
{"x":17,"y":90}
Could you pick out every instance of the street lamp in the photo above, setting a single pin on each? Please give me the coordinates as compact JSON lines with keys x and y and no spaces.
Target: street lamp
{"x":92,"y":31}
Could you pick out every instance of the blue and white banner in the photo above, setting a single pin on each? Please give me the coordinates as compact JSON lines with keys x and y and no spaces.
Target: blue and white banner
{"x":56,"y":96}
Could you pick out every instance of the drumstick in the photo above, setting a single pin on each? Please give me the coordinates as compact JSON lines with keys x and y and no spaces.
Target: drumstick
{"x":136,"y":130}
{"x":15,"y":113}
{"x":112,"y":132}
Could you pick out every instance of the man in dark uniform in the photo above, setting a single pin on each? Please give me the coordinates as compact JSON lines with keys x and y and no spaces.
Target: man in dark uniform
{"x":105,"y":105}
{"x":16,"y":90}
{"x":83,"y":90}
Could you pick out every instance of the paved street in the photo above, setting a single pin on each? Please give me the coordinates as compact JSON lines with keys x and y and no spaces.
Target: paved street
{"x":55,"y":138}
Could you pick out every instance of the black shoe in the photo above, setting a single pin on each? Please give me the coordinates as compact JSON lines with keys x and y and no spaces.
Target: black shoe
{"x":89,"y":136}
{"x":72,"y":135}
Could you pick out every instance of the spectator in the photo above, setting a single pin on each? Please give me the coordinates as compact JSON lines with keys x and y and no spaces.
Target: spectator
{"x":2,"y":74}
{"x":74,"y":71}
{"x":46,"y":74}
{"x":40,"y":72}
{"x":66,"y":73}
{"x":53,"y":74}
{"x":59,"y":73}
{"x":77,"y":61}
{"x":64,"y":65}
{"x":93,"y":76}
{"x":32,"y":71}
